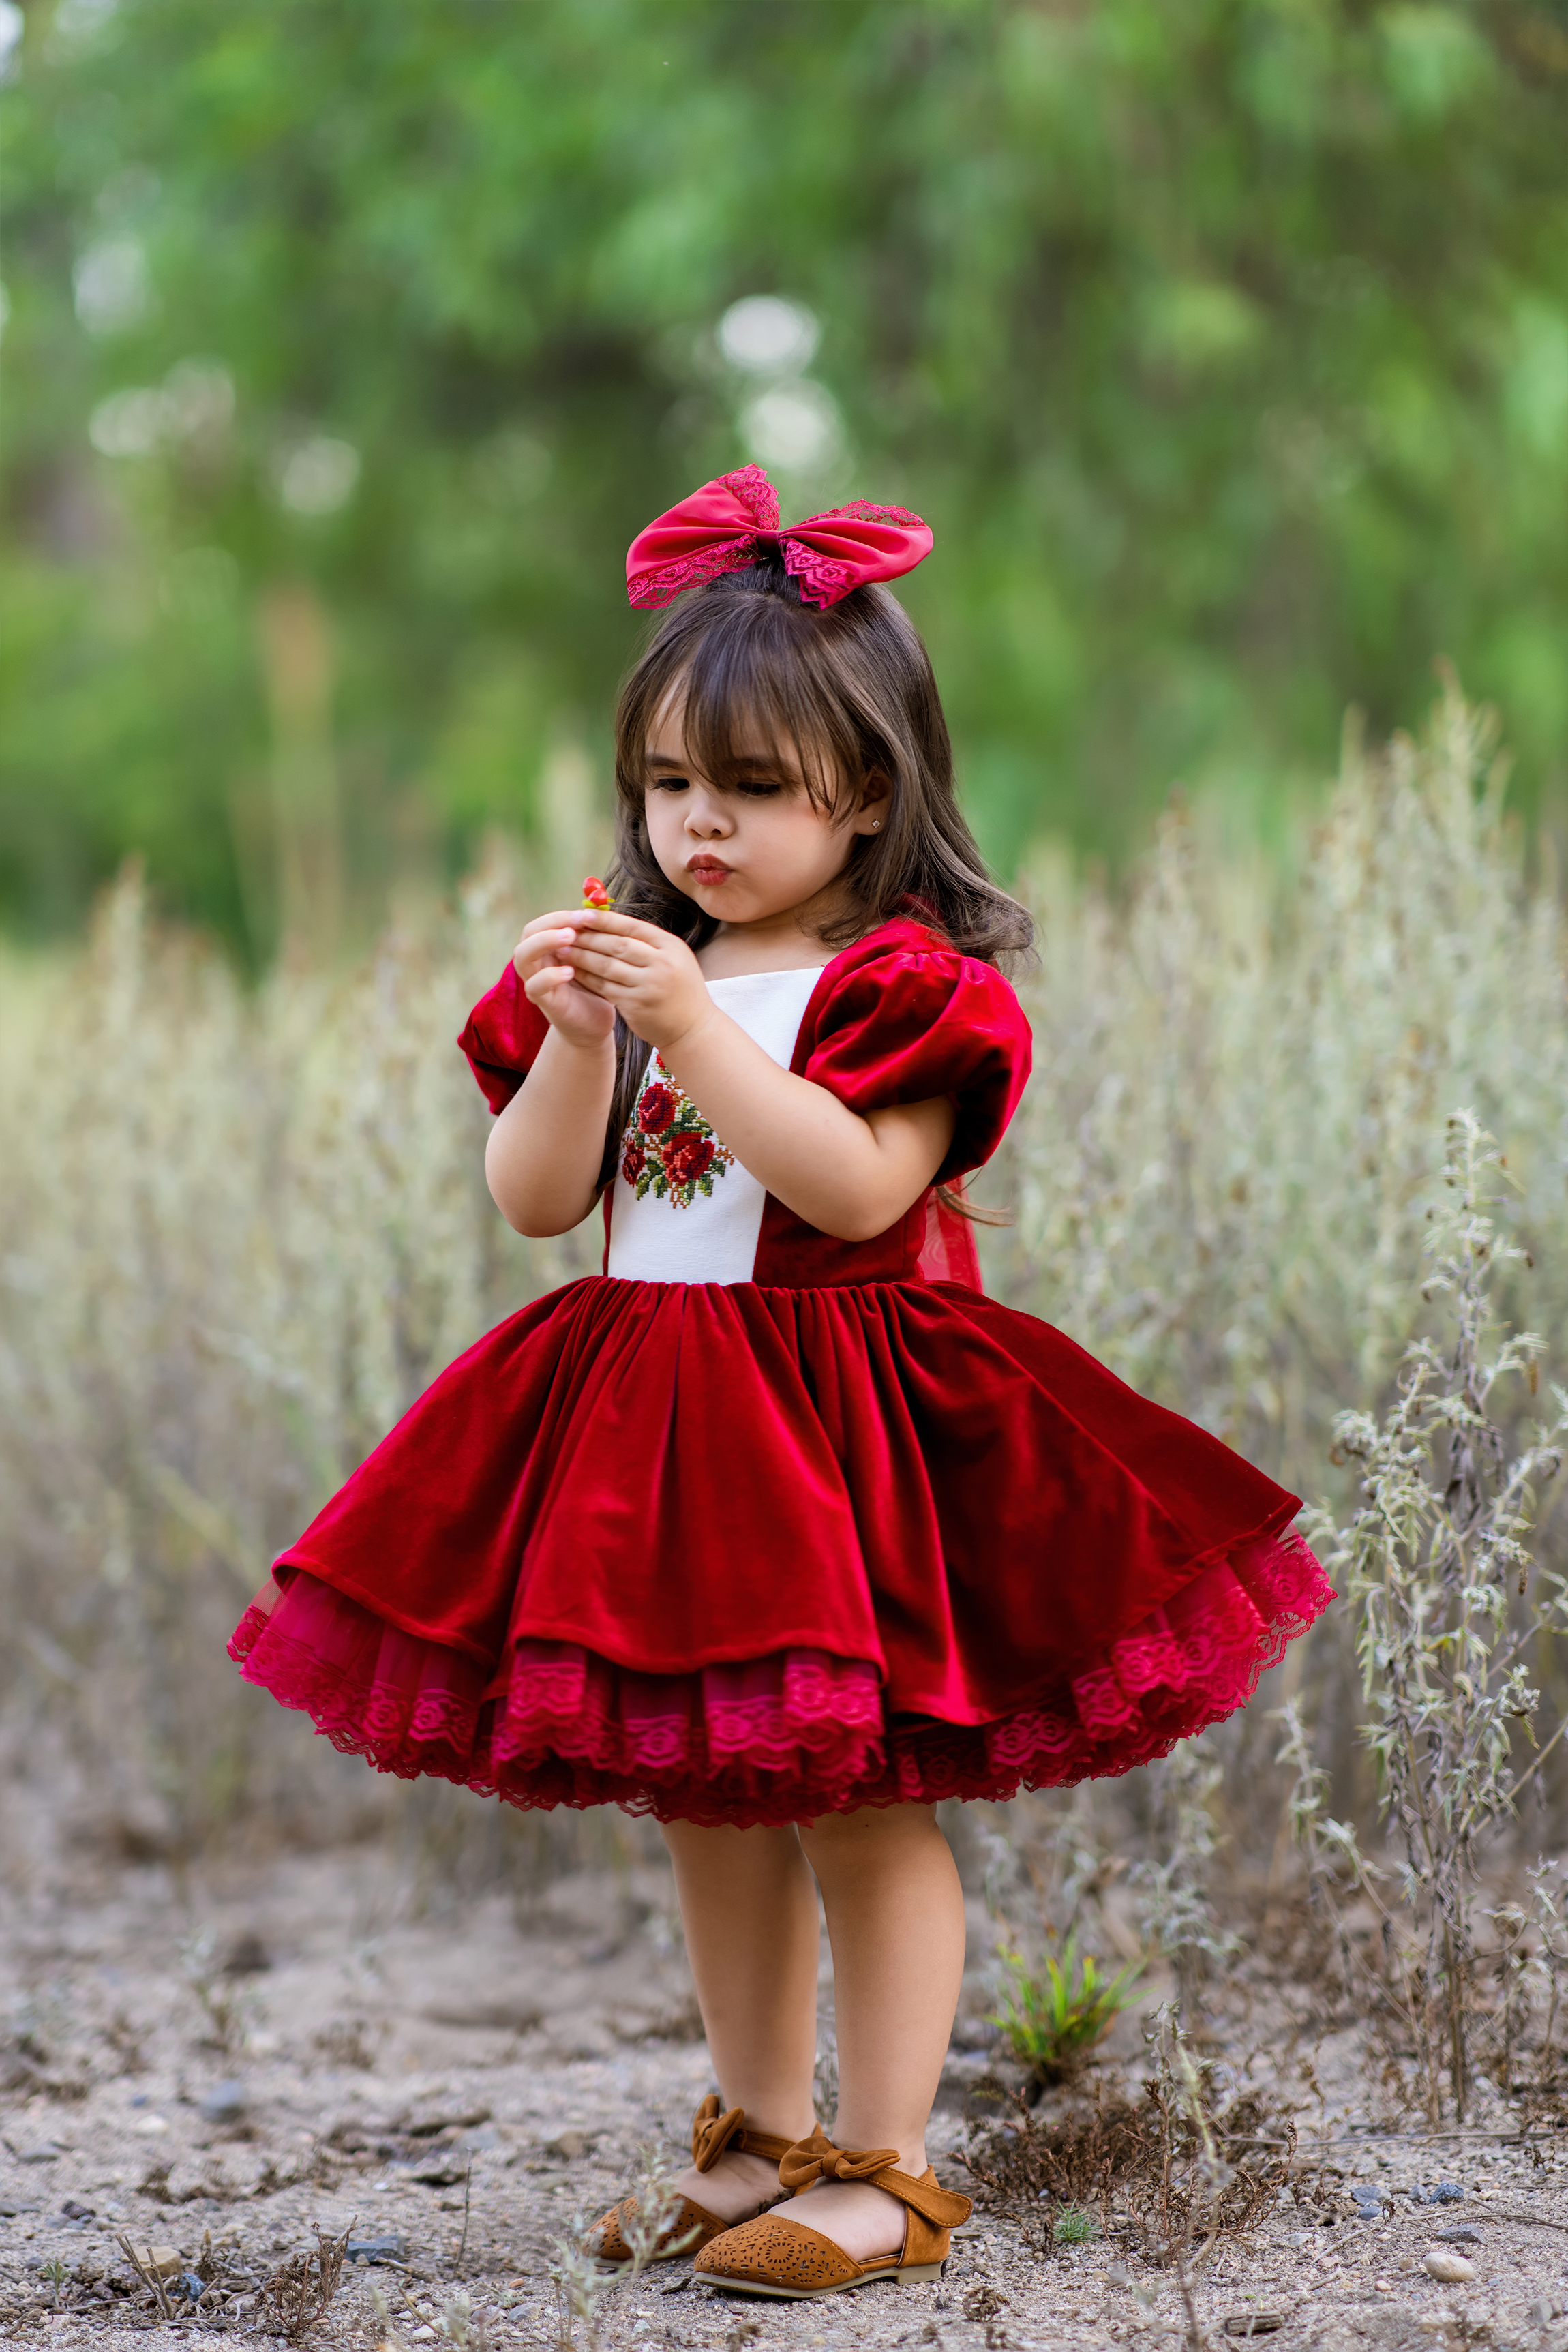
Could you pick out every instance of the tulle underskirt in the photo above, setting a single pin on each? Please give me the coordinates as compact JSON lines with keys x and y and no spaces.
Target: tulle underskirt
{"x":778,"y":1739}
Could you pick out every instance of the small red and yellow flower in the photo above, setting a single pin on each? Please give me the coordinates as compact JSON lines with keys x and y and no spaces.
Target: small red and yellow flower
{"x":594,"y":893}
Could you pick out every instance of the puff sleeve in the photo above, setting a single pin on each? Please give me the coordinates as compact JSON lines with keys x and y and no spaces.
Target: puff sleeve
{"x":501,"y":1038}
{"x":916,"y":1020}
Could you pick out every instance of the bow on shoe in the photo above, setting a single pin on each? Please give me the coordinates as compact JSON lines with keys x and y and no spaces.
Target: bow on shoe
{"x":711,"y":2132}
{"x":816,"y":2158}
{"x":730,"y":522}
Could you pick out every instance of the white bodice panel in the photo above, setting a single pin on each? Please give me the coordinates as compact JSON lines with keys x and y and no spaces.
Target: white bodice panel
{"x":683,"y":1208}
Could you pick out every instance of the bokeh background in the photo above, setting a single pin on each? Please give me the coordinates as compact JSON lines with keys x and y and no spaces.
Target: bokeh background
{"x":1224,"y":346}
{"x":346,"y":345}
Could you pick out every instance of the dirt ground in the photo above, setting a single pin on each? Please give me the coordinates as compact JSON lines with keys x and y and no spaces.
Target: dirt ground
{"x":463,"y":2090}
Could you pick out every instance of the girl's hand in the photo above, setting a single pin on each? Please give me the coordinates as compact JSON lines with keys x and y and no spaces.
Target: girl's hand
{"x":579,"y":1016}
{"x":648,"y":976}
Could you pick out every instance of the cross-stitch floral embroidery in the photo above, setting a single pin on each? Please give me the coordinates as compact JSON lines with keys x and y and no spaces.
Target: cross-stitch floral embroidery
{"x":669,"y":1150}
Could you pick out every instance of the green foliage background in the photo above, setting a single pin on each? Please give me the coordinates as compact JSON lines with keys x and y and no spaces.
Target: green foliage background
{"x":1224,"y":344}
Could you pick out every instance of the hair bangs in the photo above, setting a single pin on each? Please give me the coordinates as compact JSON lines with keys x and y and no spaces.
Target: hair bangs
{"x":753,"y":696}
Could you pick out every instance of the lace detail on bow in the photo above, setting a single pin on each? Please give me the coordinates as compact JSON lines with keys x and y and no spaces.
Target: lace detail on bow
{"x":822,"y":580}
{"x":732,"y":521}
{"x":757,"y":495}
{"x":671,"y":579}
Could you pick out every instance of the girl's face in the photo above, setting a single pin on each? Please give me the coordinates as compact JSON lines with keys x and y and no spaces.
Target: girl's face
{"x":758,"y":846}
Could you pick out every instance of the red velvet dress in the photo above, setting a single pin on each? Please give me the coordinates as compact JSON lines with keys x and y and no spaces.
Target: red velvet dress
{"x":828,"y":1529}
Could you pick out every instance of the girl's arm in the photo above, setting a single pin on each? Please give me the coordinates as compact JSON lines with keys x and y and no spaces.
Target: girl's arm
{"x":848,"y":1175}
{"x":543,"y":1159}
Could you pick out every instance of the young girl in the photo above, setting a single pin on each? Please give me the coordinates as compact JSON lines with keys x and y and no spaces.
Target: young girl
{"x":780,"y":1529}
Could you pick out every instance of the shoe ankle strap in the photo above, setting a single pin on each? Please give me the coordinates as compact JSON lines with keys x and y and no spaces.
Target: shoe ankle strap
{"x":816,"y":2158}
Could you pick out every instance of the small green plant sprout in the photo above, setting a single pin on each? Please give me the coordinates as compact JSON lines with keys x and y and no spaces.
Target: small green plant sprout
{"x":57,"y":2274}
{"x":1053,"y":2016}
{"x":1074,"y":2227}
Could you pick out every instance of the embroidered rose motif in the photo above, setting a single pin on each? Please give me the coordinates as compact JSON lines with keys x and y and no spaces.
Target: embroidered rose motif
{"x":686,"y":1159}
{"x":668,"y":1148}
{"x":657,"y":1108}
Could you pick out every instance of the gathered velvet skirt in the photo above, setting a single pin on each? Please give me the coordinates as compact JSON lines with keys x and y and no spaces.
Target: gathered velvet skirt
{"x":728,"y":1554}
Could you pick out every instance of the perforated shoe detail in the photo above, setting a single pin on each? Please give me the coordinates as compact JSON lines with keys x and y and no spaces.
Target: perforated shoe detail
{"x":776,"y":2253}
{"x":608,"y":2241}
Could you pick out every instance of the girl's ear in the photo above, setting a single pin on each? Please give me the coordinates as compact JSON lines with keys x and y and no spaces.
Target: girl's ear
{"x":872,"y":803}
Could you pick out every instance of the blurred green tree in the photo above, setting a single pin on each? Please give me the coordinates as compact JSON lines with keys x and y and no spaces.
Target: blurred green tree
{"x":1224,"y":345}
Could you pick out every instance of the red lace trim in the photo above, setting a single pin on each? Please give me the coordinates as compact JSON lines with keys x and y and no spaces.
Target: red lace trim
{"x":667,"y":581}
{"x":752,"y":486}
{"x":777,"y":1739}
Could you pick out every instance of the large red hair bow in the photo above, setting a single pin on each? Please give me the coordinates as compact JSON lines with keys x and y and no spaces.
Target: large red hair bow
{"x":729,"y":523}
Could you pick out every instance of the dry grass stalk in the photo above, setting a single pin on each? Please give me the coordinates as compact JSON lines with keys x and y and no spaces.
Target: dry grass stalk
{"x":301,"y":2289}
{"x":1178,"y":2168}
{"x":1449,"y":1604}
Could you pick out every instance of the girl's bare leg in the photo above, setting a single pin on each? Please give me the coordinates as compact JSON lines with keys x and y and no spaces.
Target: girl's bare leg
{"x":749,"y":1908}
{"x":895,"y":1920}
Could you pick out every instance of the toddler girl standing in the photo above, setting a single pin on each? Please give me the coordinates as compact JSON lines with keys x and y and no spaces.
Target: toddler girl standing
{"x":780,"y":1529}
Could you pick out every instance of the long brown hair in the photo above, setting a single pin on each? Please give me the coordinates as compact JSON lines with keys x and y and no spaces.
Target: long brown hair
{"x":850,"y":692}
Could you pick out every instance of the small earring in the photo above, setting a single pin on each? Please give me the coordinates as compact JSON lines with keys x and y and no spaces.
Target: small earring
{"x":876,"y":825}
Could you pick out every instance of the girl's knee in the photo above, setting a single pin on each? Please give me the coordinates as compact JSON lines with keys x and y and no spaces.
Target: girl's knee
{"x":845,"y":1840}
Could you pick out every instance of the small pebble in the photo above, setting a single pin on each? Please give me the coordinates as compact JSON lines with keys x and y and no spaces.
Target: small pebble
{"x":1450,"y":2270}
{"x":166,"y":2261}
{"x":247,"y":1955}
{"x":390,"y":2249}
{"x":224,"y":2104}
{"x":1463,"y":2235}
{"x":1545,"y":2308}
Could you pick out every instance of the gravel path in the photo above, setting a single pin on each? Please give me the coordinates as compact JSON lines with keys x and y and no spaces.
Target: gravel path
{"x":464,"y":2089}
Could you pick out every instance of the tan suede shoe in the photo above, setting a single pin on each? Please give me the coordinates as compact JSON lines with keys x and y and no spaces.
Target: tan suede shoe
{"x":693,"y":2226}
{"x":777,"y":2255}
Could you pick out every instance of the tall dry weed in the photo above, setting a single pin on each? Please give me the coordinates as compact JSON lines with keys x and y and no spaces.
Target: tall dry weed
{"x":243,"y":1232}
{"x":1242,"y":1079}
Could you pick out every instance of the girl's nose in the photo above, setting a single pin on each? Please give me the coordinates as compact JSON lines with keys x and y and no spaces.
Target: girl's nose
{"x":705,"y":819}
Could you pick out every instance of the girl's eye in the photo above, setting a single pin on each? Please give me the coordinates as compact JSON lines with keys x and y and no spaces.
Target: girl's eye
{"x":755,"y":789}
{"x":668,"y":784}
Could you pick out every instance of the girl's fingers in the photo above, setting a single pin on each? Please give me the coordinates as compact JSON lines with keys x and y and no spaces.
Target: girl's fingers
{"x":548,"y":944}
{"x":544,"y":984}
{"x":606,"y":960}
{"x":563,"y":918}
{"x":626,"y":927}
